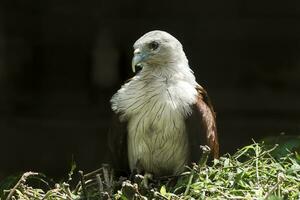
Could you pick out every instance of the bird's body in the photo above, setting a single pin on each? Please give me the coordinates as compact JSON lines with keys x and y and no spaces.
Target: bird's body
{"x":155,"y":105}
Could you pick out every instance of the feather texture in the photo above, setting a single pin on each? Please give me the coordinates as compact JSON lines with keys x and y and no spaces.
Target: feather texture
{"x":155,"y":108}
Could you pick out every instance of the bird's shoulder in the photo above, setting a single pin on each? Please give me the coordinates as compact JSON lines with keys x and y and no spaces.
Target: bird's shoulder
{"x":204,"y":99}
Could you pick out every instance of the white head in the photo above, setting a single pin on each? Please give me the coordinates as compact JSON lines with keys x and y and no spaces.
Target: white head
{"x":165,"y":78}
{"x":157,"y":49}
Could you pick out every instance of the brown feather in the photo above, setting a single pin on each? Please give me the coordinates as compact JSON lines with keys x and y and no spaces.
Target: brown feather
{"x":201,"y":126}
{"x":205,"y":107}
{"x":117,"y":143}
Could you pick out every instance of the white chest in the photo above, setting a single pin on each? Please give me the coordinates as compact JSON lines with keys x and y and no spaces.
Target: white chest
{"x":155,"y":111}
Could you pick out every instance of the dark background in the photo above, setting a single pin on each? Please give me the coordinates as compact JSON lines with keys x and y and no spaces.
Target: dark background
{"x":61,"y":60}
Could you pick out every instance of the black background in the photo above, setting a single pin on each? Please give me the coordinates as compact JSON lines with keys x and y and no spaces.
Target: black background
{"x":61,"y":60}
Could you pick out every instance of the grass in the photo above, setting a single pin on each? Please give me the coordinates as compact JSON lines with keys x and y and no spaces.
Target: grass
{"x":251,"y":173}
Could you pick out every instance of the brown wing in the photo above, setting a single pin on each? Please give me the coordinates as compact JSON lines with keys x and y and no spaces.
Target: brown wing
{"x":117,"y":142}
{"x":201,"y":126}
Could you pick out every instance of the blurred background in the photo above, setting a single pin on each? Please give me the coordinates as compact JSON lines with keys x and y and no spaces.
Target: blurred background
{"x":61,"y":60}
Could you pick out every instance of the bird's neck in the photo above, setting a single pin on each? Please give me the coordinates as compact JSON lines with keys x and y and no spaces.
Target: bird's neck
{"x":168,"y":70}
{"x":172,"y":87}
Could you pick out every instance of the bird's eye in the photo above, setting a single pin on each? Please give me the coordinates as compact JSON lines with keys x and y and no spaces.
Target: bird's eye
{"x":153,"y":45}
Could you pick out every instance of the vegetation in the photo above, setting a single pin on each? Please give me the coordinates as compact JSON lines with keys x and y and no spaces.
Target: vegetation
{"x":251,"y":173}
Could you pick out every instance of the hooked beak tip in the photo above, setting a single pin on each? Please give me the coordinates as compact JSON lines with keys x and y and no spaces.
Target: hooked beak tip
{"x":136,"y":60}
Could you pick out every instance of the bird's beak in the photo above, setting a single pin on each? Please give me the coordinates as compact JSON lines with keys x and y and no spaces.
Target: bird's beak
{"x":138,"y":57}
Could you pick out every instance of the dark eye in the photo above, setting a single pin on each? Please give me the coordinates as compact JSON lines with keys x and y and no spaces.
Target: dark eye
{"x":153,"y":45}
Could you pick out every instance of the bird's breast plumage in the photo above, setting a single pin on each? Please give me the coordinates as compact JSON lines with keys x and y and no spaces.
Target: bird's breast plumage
{"x":155,"y":109}
{"x":156,"y":106}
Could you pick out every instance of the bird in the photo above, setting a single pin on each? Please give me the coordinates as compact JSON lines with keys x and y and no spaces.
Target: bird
{"x":161,"y":115}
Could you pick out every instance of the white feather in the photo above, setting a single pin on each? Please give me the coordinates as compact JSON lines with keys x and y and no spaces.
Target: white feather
{"x":155,"y":104}
{"x":155,"y":107}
